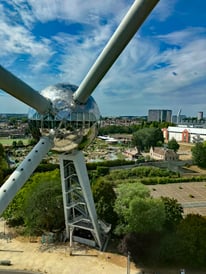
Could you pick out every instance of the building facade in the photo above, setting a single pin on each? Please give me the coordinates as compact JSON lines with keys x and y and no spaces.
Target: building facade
{"x":159,"y":115}
{"x":200,"y":115}
{"x":184,"y":134}
{"x":159,"y":153}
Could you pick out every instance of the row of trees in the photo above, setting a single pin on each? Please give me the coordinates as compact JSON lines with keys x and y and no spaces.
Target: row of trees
{"x":112,"y":129}
{"x":18,"y":143}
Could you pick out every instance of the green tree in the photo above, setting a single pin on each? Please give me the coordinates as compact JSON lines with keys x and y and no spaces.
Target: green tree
{"x":145,"y":215}
{"x":191,"y":241}
{"x":38,"y":205}
{"x":138,"y":140}
{"x":104,"y":198}
{"x":2,"y":153}
{"x":43,"y":206}
{"x":13,"y":121}
{"x":20,"y":143}
{"x":173,"y":211}
{"x":3,"y":163}
{"x":187,"y":244}
{"x":14,"y":144}
{"x":127,"y":192}
{"x":137,"y":211}
{"x":147,"y":137}
{"x":199,"y":154}
{"x":102,"y":170}
{"x":173,"y":144}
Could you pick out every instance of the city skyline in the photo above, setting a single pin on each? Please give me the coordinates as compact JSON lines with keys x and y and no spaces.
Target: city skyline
{"x":163,"y":67}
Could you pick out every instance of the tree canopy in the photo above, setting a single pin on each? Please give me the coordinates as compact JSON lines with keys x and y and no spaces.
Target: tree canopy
{"x":199,"y":154}
{"x":38,"y":205}
{"x":3,"y":163}
{"x":146,"y":215}
{"x":104,"y":198}
{"x":144,"y":138}
{"x":187,"y":244}
{"x":112,"y":129}
{"x":191,"y":241}
{"x":173,"y":144}
{"x":173,"y":211}
{"x":137,"y":211}
{"x":43,"y":205}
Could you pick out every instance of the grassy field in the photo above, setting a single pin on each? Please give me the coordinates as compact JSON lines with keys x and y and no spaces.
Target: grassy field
{"x":9,"y":142}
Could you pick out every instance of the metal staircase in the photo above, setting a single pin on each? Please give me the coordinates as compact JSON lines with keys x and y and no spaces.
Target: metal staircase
{"x":81,"y":220}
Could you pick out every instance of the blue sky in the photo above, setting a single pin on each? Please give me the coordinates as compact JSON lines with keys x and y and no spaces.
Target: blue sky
{"x":164,"y":66}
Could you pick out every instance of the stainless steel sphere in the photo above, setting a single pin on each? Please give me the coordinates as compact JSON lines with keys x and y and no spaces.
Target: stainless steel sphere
{"x":74,"y":124}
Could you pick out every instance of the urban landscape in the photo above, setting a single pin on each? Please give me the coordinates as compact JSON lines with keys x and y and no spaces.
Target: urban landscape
{"x":116,"y":145}
{"x":102,"y":137}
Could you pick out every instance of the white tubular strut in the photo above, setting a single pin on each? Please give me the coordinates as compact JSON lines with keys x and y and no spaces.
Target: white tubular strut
{"x":124,"y":33}
{"x":18,"y":178}
{"x":23,"y":92}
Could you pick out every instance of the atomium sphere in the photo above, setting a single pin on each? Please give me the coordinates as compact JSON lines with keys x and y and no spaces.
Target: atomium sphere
{"x":73,"y":124}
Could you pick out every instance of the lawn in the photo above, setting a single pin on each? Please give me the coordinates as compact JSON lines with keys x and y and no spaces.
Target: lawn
{"x":9,"y":142}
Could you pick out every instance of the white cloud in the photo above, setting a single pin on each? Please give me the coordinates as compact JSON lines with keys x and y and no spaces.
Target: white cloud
{"x":144,"y":76}
{"x":21,"y":12}
{"x":180,"y":79}
{"x":17,"y":40}
{"x":87,"y":12}
{"x":164,"y":9}
{"x":182,"y":37}
{"x":19,"y":43}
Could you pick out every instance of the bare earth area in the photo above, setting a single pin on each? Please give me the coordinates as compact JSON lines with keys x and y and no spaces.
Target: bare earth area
{"x":56,"y":259}
{"x":184,"y":151}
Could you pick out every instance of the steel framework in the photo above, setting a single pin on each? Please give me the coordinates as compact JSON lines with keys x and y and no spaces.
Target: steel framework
{"x":81,"y":220}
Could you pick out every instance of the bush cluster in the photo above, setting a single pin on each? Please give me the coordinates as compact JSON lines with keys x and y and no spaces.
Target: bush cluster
{"x":109,"y":163}
{"x":169,"y":180}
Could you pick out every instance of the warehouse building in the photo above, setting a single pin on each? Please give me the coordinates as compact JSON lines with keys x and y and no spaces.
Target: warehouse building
{"x":185,"y":134}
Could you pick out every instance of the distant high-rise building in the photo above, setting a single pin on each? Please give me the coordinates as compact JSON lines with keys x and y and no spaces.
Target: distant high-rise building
{"x":159,"y":115}
{"x":177,"y":119}
{"x":200,"y":115}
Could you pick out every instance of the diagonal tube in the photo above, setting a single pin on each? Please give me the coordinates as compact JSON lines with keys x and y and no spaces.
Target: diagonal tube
{"x":23,"y":92}
{"x":126,"y":30}
{"x":19,"y":177}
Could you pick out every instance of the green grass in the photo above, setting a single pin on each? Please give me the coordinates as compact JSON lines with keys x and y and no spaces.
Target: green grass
{"x":9,"y":142}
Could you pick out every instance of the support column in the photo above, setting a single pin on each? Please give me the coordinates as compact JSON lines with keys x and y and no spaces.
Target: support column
{"x":79,"y":208}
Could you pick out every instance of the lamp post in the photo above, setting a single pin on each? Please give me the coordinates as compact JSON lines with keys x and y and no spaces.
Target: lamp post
{"x":128,"y":262}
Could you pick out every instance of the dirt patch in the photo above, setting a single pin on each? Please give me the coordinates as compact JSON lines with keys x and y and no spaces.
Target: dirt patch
{"x":196,"y":169}
{"x":184,"y":151}
{"x":57,"y":259}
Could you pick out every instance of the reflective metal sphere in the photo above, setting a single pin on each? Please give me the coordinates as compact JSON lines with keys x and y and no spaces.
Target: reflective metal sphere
{"x":73,"y":124}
